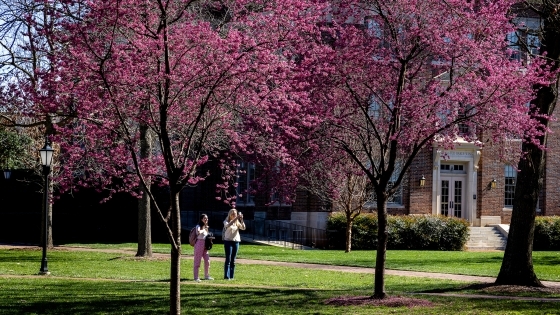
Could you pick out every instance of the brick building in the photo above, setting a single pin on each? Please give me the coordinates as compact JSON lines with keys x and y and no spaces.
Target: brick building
{"x":473,"y":183}
{"x":470,"y":182}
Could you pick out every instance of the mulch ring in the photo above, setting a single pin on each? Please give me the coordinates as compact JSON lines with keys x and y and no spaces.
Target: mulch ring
{"x":519,"y":289}
{"x":390,"y":301}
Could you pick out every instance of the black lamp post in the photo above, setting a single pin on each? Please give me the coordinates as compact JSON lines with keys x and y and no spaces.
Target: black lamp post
{"x":46,"y":154}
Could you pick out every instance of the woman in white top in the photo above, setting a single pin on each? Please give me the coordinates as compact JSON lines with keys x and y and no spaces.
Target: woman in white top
{"x":200,"y":249}
{"x":232,"y":224}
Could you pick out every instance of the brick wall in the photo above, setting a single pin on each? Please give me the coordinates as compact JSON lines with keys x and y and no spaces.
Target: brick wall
{"x":551,"y":184}
{"x":307,"y":202}
{"x":420,"y":198}
{"x":490,"y":202}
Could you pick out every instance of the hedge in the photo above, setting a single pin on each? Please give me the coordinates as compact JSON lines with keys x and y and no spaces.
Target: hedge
{"x":547,"y":233}
{"x":405,"y":232}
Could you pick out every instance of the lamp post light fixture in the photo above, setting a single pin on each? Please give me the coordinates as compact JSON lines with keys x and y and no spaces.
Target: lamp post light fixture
{"x":493,"y":184}
{"x":422,"y":181}
{"x":7,"y":173}
{"x":46,"y":154}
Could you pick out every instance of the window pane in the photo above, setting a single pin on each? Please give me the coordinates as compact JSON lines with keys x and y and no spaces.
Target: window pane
{"x":510,"y":176}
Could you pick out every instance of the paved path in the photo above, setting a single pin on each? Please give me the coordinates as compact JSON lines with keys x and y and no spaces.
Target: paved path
{"x":404,"y":273}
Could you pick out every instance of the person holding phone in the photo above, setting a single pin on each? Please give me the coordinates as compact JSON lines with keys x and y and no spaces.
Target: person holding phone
{"x":232,"y":225}
{"x":200,"y":250}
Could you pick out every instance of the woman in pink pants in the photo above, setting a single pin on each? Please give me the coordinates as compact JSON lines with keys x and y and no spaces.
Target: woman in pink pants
{"x":200,"y":250}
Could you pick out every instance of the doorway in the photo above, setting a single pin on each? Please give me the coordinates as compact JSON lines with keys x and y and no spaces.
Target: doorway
{"x":452,"y":197}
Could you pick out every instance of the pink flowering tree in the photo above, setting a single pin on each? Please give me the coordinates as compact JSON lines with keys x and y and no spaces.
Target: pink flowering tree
{"x":337,"y":182}
{"x":403,"y":75}
{"x":27,"y":46}
{"x":201,"y":77}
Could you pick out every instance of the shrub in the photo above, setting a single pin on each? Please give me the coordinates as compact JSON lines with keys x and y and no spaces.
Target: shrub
{"x":405,"y":232}
{"x":547,"y":233}
{"x":364,"y":232}
{"x":336,"y":231}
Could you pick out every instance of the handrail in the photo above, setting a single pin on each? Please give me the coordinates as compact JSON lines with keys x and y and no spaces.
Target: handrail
{"x":271,"y":231}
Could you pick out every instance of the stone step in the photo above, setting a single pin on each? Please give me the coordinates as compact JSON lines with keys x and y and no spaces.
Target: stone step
{"x":486,"y":238}
{"x":481,"y":248}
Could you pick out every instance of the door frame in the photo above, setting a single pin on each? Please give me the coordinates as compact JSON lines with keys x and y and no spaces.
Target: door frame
{"x":452,"y":178}
{"x":469,"y":156}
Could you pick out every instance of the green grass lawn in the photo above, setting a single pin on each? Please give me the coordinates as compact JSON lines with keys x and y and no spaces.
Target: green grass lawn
{"x":546,"y":264}
{"x":84,"y":282}
{"x":48,"y":295}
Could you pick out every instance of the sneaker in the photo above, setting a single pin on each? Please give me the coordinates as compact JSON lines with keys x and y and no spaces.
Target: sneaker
{"x":208,"y":278}
{"x":197,"y":280}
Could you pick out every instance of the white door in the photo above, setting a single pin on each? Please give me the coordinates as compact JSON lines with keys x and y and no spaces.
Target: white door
{"x":452,"y":202}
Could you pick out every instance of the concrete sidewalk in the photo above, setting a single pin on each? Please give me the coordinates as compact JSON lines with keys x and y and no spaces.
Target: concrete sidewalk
{"x":403,"y":273}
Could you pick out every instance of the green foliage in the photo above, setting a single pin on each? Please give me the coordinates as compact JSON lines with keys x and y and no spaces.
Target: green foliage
{"x":547,"y":233}
{"x":405,"y":232}
{"x":14,"y":149}
{"x":336,"y":229}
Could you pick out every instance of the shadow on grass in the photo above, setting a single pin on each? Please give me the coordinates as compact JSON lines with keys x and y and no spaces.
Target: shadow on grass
{"x":547,"y":260}
{"x":474,"y":286}
{"x":59,"y":296}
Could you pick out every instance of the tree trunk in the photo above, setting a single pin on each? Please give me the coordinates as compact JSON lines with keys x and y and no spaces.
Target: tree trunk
{"x":517,"y":264}
{"x":144,"y":209}
{"x":349,"y":223}
{"x":144,"y":226}
{"x":175,"y":282}
{"x":382,"y":236}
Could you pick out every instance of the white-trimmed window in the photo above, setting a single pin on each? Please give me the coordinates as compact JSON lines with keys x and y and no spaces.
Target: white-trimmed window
{"x":513,"y":43}
{"x":509,"y":190}
{"x":533,"y":44}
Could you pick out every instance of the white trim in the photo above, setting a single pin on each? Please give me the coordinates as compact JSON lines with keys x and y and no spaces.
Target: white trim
{"x":469,"y":155}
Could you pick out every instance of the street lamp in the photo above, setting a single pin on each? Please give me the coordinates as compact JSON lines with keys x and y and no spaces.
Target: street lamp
{"x":46,"y":154}
{"x":7,"y":174}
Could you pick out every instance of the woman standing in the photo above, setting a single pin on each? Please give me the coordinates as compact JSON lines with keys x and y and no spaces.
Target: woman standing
{"x":232,"y":225}
{"x":200,"y":250}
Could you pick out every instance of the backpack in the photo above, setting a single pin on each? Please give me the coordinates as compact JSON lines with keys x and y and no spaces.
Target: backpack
{"x":192,"y":236}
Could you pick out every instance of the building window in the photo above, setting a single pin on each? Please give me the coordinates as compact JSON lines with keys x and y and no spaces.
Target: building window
{"x":374,"y":110}
{"x":396,"y":199}
{"x":533,"y":44}
{"x":245,"y":178}
{"x":453,"y":168}
{"x":510,"y":177}
{"x":523,"y":44}
{"x":513,"y":40}
{"x":373,"y":27}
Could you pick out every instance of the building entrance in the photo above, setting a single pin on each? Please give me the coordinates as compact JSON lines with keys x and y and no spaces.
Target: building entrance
{"x":452,"y":197}
{"x":455,"y":183}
